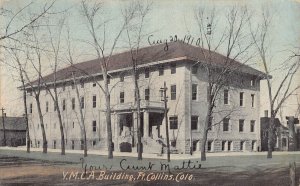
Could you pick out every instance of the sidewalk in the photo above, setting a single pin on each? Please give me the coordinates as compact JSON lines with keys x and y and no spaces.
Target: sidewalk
{"x":155,"y":156}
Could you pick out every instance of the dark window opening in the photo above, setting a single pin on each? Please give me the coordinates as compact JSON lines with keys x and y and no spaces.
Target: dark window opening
{"x":122,"y":97}
{"x":241,"y":125}
{"x":173,"y":92}
{"x":173,"y":68}
{"x":194,"y":122}
{"x":173,"y":122}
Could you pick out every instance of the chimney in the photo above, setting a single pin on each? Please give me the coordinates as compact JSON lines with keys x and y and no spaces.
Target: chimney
{"x":266,"y":113}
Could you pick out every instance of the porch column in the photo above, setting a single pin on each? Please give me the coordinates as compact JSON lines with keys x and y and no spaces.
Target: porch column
{"x":146,"y":124}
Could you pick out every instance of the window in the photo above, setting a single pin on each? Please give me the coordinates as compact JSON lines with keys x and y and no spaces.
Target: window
{"x":147,"y":94}
{"x":94,"y":84}
{"x":54,"y":106}
{"x":54,"y":144}
{"x":64,"y":104}
{"x":73,"y":103}
{"x":94,"y":101}
{"x":209,"y":146}
{"x":241,"y":98}
{"x":252,"y":126}
{"x":226,"y":96}
{"x":122,"y":97}
{"x":209,"y":127}
{"x":252,"y":82}
{"x":94,"y":126}
{"x":82,"y":103}
{"x":121,"y":78}
{"x":73,"y":145}
{"x":173,"y":143}
{"x":73,"y":85}
{"x":64,"y":87}
{"x":252,"y":100}
{"x":73,"y":124}
{"x":81,"y":144}
{"x":223,"y":145}
{"x":229,"y":144}
{"x":147,"y":72}
{"x":173,"y":68}
{"x":30,"y":108}
{"x":241,"y":125}
{"x":108,"y":79}
{"x":173,"y":122}
{"x":47,"y":106}
{"x":194,"y":69}
{"x":93,"y":143}
{"x":173,"y":92}
{"x":226,"y":124}
{"x":194,"y":122}
{"x":82,"y":84}
{"x":253,"y":145}
{"x":194,"y":91}
{"x":161,"y":70}
{"x":242,"y":145}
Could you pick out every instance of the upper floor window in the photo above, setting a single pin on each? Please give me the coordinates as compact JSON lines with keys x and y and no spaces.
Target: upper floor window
{"x":194,"y":122}
{"x":226,"y":97}
{"x":173,"y":92}
{"x":64,"y":104}
{"x":241,"y":98}
{"x":194,"y":91}
{"x":226,"y":124}
{"x":209,"y":127}
{"x":108,"y":79}
{"x":147,"y":72}
{"x":47,"y":106}
{"x":30,"y":108}
{"x":82,"y":103}
{"x":252,"y":126}
{"x":122,"y":97}
{"x":94,"y":101}
{"x":94,"y":84}
{"x":194,"y":69}
{"x":173,"y":122}
{"x":73,"y":103}
{"x":173,"y":68}
{"x":252,"y":100}
{"x":54,"y":106}
{"x":252,"y":82}
{"x":161,"y":70}
{"x":241,"y":125}
{"x":121,"y":78}
{"x":147,"y":94}
{"x":94,"y":126}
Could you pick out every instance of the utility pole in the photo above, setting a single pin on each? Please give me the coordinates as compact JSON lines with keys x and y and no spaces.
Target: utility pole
{"x":164,"y":90}
{"x":3,"y":125}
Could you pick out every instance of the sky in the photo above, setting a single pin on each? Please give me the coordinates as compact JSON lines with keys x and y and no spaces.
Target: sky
{"x":166,"y":18}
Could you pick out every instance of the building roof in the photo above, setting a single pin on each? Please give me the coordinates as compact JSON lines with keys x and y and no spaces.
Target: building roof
{"x":147,"y":55}
{"x":13,"y":123}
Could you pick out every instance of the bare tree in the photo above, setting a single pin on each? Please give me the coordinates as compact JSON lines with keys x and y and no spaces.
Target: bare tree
{"x":91,"y":13}
{"x":138,"y":12}
{"x":18,"y":18}
{"x":277,"y":94}
{"x":15,"y":54}
{"x":34,"y":55}
{"x":55,"y":49}
{"x":234,"y":42}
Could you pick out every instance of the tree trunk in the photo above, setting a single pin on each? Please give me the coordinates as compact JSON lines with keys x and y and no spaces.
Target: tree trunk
{"x":139,"y":127}
{"x":63,"y":151}
{"x":270,"y":135}
{"x":25,"y":112}
{"x":42,"y":123}
{"x":108,"y":110}
{"x":108,"y":122}
{"x":205,"y":131}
